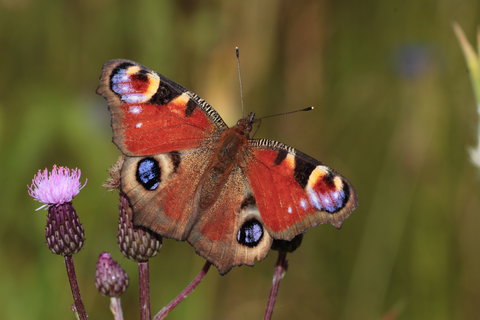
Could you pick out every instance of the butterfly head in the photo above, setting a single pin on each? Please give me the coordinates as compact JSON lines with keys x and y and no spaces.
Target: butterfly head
{"x":244,"y":125}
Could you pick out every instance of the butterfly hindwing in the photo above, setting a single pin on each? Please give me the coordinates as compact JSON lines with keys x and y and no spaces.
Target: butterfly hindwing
{"x":146,"y":107}
{"x":294,"y":191}
{"x":231,"y":232}
{"x":162,"y":190}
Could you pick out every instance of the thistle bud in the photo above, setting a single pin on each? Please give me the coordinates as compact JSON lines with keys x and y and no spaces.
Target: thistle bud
{"x":64,"y":232}
{"x":110,"y":278}
{"x":136,"y":243}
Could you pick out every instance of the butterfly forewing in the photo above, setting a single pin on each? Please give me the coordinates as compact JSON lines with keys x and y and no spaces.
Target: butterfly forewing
{"x":152,"y":114}
{"x":294,"y":191}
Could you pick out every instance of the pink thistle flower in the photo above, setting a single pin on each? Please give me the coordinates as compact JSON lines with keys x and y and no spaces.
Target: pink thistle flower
{"x":59,"y":186}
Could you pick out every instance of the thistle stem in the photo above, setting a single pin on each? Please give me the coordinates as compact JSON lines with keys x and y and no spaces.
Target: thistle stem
{"x":191,"y":286}
{"x":144,"y":283}
{"x":280,"y":270}
{"x":116,"y":308}
{"x":79,"y":308}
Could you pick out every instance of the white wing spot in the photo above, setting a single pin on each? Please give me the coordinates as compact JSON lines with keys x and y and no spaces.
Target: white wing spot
{"x":314,"y":200}
{"x":133,"y":98}
{"x":289,"y":209}
{"x":304,"y":204}
{"x":135,"y":109}
{"x":139,"y":125}
{"x":325,"y":199}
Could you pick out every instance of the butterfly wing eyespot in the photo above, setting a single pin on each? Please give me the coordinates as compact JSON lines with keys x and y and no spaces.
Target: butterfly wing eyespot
{"x":250,"y":233}
{"x":326,"y":191}
{"x":133,"y":84}
{"x":148,"y":173}
{"x":294,"y":191}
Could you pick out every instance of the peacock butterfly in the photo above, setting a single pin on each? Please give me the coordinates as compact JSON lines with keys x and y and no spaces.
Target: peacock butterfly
{"x":188,"y":176}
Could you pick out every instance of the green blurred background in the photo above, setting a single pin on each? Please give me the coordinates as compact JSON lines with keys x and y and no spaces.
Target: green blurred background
{"x":396,"y":115}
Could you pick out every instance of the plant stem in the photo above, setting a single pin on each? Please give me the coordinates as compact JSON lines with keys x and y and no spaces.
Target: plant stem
{"x":144,"y":283}
{"x":79,"y":308}
{"x":280,"y":269}
{"x":165,"y":310}
{"x":116,"y":308}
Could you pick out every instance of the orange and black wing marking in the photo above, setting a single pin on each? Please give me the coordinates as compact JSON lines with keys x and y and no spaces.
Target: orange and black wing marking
{"x":152,"y":114}
{"x":294,"y":191}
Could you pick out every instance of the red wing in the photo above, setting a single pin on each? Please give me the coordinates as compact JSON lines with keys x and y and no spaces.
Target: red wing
{"x":294,"y":192}
{"x":230,"y":232}
{"x":152,"y":114}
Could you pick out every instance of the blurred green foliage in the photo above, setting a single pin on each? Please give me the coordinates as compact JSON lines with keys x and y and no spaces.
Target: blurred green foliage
{"x":395,"y":115}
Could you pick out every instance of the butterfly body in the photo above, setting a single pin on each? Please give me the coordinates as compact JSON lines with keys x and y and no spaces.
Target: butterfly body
{"x":229,"y":154}
{"x":188,"y":176}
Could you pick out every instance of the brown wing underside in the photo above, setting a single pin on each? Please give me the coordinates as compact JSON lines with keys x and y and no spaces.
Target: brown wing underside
{"x":171,"y":208}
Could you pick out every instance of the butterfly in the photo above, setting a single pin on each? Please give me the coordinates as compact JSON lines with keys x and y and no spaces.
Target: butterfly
{"x":188,"y":176}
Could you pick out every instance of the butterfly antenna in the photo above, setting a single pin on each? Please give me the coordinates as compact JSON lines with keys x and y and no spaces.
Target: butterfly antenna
{"x":237,"y":54}
{"x":285,"y":113}
{"x":259,"y":123}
